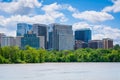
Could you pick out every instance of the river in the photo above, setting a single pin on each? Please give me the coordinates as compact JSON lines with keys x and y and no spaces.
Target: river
{"x":60,"y":71}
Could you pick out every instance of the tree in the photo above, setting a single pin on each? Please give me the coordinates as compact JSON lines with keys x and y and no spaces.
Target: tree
{"x":117,"y":47}
{"x":42,"y":53}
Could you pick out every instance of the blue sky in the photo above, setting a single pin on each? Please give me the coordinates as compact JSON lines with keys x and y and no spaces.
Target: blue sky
{"x":101,"y":16}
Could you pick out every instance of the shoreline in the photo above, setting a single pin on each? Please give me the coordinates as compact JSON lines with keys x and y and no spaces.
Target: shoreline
{"x":64,"y":63}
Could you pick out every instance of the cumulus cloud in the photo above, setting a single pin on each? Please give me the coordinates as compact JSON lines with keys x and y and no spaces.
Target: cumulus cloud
{"x":104,"y":31}
{"x":93,"y":16}
{"x":114,"y":8}
{"x":69,"y":8}
{"x":81,"y":25}
{"x":56,"y":6}
{"x":100,"y":31}
{"x":51,"y":7}
{"x":8,"y":32}
{"x":53,"y":11}
{"x":21,"y":7}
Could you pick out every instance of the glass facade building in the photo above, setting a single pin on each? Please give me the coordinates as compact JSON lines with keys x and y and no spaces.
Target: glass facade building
{"x":41,"y":30}
{"x":83,"y":35}
{"x":23,"y":28}
{"x":50,"y":40}
{"x":31,"y":40}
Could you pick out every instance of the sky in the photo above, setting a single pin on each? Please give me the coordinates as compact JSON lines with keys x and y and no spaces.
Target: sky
{"x":101,"y":16}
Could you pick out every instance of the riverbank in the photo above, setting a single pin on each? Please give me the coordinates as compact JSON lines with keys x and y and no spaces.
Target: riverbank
{"x":11,"y":55}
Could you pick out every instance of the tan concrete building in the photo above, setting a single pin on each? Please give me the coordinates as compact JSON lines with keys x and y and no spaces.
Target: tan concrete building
{"x":107,"y":43}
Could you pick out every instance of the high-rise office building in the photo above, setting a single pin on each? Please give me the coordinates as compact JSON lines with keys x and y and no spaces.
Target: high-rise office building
{"x":7,"y":41}
{"x":108,"y":43}
{"x":41,"y":30}
{"x":23,"y":28}
{"x":31,"y":40}
{"x":83,"y":35}
{"x":95,"y":44}
{"x":61,"y":37}
{"x":50,"y":40}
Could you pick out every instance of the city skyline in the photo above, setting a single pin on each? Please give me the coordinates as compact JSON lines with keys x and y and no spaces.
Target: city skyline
{"x":102,"y":16}
{"x":55,"y":36}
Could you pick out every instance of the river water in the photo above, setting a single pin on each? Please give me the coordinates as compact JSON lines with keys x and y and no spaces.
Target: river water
{"x":60,"y":71}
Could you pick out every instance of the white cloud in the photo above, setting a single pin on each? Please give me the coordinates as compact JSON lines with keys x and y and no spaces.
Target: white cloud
{"x":53,"y":11}
{"x":63,"y":19}
{"x":106,"y":32}
{"x":93,"y":16}
{"x":100,"y":31}
{"x":20,"y":6}
{"x":51,"y":7}
{"x":8,"y":32}
{"x":69,"y":8}
{"x":81,"y":25}
{"x":114,"y":8}
{"x":56,"y":6}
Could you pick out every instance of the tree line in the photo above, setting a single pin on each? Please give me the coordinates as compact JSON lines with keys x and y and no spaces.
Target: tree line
{"x":13,"y":54}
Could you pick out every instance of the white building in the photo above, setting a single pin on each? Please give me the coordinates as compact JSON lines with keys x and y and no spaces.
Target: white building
{"x":1,"y":35}
{"x":7,"y":41}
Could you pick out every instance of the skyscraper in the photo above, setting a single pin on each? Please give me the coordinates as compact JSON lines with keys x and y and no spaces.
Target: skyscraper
{"x":50,"y":38}
{"x":108,"y":43}
{"x":83,"y":35}
{"x":23,"y":28}
{"x":61,"y":37}
{"x":41,"y":30}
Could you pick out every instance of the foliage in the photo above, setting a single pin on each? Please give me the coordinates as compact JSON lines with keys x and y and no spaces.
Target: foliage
{"x":14,"y":54}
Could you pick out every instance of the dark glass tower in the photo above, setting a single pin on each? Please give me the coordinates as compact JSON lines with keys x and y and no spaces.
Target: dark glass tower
{"x":40,"y":30}
{"x":83,"y":35}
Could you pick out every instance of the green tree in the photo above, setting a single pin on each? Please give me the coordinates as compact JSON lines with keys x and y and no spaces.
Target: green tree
{"x":117,"y":47}
{"x":42,"y":53}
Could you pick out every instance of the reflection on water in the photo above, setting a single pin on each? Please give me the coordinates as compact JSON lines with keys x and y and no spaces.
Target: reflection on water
{"x":60,"y":71}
